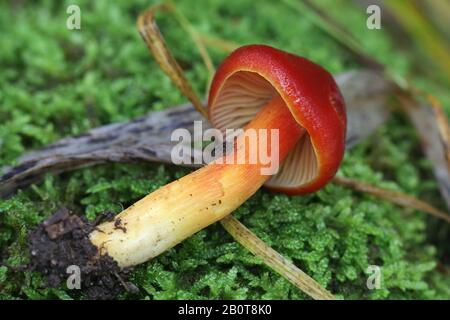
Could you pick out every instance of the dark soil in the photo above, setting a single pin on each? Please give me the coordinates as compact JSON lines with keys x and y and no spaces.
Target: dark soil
{"x":62,"y":241}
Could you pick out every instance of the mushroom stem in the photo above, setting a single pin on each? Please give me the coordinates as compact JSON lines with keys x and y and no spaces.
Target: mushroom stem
{"x":179,"y":209}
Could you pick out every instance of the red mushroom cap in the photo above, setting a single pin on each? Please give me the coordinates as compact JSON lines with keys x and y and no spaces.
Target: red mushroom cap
{"x":251,"y":76}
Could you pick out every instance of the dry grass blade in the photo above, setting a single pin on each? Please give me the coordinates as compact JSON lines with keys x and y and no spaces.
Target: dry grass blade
{"x":150,"y":32}
{"x":274,"y":260}
{"x":218,"y":43}
{"x":186,"y":25}
{"x":152,"y":36}
{"x":433,"y":128}
{"x":409,"y":14}
{"x":396,"y":197}
{"x":439,"y":12}
{"x":442,"y":125}
{"x":321,"y":20}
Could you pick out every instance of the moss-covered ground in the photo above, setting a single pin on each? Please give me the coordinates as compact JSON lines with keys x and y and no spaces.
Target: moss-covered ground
{"x":55,"y":82}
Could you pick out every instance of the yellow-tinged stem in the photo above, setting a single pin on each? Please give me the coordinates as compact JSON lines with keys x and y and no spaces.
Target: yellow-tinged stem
{"x":179,"y":209}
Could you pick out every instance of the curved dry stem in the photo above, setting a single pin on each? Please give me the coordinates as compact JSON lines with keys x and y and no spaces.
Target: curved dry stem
{"x":274,"y":260}
{"x":396,"y":197}
{"x":187,"y":26}
{"x":432,"y":126}
{"x":413,"y":19}
{"x":155,"y":42}
{"x":319,"y":18}
{"x":443,"y":126}
{"x":218,"y":43}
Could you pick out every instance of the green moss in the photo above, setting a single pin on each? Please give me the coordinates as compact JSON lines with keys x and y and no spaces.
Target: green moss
{"x":57,"y":83}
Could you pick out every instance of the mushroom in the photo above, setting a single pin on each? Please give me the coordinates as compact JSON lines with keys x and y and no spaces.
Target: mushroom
{"x":256,"y":87}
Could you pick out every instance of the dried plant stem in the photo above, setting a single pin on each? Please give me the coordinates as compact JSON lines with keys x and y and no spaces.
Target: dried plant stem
{"x":415,"y":22}
{"x":152,"y":36}
{"x":432,"y":127}
{"x":274,"y":260}
{"x":186,"y":25}
{"x":396,"y":197}
{"x":218,"y":43}
{"x":319,"y":18}
{"x":443,"y":126}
